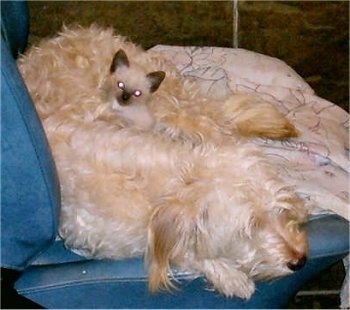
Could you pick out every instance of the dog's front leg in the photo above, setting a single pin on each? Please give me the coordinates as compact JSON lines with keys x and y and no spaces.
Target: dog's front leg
{"x":226,"y":279}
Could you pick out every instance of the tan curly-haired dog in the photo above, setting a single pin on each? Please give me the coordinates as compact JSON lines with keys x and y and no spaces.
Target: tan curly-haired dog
{"x":148,"y":166}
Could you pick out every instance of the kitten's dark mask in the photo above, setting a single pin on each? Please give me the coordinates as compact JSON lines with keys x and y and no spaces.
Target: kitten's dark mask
{"x":121,"y":60}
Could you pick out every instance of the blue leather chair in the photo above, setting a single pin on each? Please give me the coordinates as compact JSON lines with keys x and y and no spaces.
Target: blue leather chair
{"x":43,"y":271}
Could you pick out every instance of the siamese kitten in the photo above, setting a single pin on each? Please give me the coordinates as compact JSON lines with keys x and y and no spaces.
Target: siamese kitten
{"x":128,"y":89}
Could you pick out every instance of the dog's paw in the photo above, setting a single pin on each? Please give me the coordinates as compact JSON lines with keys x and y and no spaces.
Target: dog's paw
{"x":229,"y":281}
{"x":234,"y":284}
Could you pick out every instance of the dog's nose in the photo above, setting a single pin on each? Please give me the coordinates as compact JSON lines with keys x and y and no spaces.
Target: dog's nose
{"x":297,"y":263}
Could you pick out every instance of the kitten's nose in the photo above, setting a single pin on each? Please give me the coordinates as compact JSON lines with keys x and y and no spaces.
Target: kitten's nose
{"x":125,"y":96}
{"x":297,"y":263}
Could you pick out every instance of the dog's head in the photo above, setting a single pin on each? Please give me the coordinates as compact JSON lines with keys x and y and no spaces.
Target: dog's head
{"x":262,"y":242}
{"x":280,"y":240}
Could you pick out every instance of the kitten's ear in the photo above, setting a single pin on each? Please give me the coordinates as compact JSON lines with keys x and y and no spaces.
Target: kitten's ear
{"x":120,"y":59}
{"x":155,"y":79}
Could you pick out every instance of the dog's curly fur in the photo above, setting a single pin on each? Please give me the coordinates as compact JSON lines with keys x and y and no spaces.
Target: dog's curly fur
{"x":184,"y":190}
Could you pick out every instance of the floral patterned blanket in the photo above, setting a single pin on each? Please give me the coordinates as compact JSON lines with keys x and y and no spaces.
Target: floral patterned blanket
{"x":317,"y":162}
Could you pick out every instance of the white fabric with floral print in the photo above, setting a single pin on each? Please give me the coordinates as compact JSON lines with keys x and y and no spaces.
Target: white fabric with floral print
{"x":317,"y":162}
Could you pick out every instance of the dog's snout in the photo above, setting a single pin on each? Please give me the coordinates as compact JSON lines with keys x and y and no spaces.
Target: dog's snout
{"x":297,"y":263}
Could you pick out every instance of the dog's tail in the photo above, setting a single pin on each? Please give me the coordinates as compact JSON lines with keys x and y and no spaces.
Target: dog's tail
{"x":252,"y":117}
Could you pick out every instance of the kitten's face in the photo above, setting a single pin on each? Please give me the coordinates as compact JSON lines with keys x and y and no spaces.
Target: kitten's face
{"x":129,"y":83}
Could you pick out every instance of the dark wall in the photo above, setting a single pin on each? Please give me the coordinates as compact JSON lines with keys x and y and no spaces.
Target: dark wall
{"x":311,"y":36}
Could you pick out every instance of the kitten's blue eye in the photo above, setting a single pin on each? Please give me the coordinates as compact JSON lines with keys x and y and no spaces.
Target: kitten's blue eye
{"x":137,"y":93}
{"x":121,"y":85}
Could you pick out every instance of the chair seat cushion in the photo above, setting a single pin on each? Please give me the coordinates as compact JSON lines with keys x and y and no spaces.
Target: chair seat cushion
{"x":113,"y":284}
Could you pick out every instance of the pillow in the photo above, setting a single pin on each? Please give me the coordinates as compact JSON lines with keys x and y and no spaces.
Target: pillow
{"x":317,"y":162}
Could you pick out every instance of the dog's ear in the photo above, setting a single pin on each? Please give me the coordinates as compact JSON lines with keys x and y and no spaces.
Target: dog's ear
{"x":174,"y":230}
{"x":155,"y":79}
{"x":119,"y":60}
